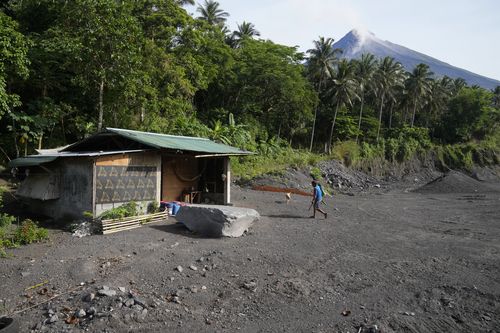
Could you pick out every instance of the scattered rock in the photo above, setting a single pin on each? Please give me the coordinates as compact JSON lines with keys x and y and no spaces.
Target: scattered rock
{"x":54,"y":318}
{"x":193,"y":267}
{"x":105,"y":291}
{"x":129,"y":302}
{"x":179,"y":269}
{"x":89,"y":297}
{"x":252,"y":285}
{"x":122,"y":289}
{"x":80,"y":313}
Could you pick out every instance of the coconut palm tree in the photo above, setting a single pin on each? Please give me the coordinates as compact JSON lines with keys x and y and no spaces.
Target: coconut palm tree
{"x":211,"y":13}
{"x":418,"y":85}
{"x":496,"y":96}
{"x":184,"y":2}
{"x":246,"y":29}
{"x":365,"y":69}
{"x":322,"y":59}
{"x":388,"y":76}
{"x":342,"y":91}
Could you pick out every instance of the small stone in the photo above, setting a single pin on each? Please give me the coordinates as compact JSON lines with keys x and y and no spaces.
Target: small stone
{"x":176,"y":299}
{"x":89,"y":297}
{"x":24,"y":274}
{"x":193,"y":267}
{"x":50,"y":312}
{"x":203,"y":287}
{"x":140,"y":302}
{"x":129,"y":302}
{"x":194,"y":289}
{"x":179,"y":269}
{"x":137,"y":307}
{"x":53,"y":319}
{"x":252,"y":285}
{"x":91,"y":311}
{"x":201,"y":259}
{"x":106,"y":292}
{"x":80,"y":313}
{"x":122,"y":289}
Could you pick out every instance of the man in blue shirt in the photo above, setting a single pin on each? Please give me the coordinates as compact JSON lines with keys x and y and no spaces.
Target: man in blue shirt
{"x":317,"y":199}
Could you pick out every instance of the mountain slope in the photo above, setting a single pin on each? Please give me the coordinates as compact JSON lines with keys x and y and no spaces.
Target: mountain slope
{"x":355,"y":43}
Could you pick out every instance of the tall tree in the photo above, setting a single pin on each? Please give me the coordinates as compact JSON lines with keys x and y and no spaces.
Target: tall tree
{"x":246,"y":30}
{"x":211,"y":13}
{"x":388,"y":76}
{"x":418,"y":85}
{"x":342,"y":91}
{"x":322,"y":59}
{"x":105,"y":40}
{"x":13,"y":61}
{"x":365,"y":69}
{"x":496,"y":96}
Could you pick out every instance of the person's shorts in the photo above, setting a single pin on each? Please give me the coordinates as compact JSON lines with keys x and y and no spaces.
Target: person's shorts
{"x":317,"y":203}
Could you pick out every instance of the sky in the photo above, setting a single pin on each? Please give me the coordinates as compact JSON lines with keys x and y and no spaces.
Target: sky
{"x":463,"y":33}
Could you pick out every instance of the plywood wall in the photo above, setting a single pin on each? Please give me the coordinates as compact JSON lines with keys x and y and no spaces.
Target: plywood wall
{"x":179,"y":174}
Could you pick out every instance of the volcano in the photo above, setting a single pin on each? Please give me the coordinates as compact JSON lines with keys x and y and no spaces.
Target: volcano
{"x":357,"y":42}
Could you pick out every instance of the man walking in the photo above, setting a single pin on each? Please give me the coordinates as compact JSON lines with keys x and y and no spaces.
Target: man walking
{"x":317,"y":199}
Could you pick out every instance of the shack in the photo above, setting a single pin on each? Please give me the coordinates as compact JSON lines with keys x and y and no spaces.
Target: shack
{"x":117,"y":166}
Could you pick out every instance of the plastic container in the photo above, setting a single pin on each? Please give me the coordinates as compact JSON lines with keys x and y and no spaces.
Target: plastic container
{"x":175,"y":209}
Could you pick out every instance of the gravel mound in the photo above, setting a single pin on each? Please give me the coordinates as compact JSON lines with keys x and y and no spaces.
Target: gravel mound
{"x":454,"y":182}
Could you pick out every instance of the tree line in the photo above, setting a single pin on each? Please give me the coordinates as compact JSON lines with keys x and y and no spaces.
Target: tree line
{"x":70,"y":68}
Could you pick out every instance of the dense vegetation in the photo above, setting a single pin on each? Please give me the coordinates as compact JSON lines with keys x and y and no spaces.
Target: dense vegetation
{"x":12,"y":235}
{"x":70,"y":68}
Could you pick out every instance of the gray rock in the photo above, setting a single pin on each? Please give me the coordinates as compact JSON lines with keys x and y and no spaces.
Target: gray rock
{"x":80,"y":313}
{"x":89,"y":297}
{"x":193,"y":267}
{"x":106,"y":292}
{"x":216,"y":220}
{"x":129,"y":302}
{"x":140,"y":302}
{"x":137,"y":307}
{"x":91,"y":311}
{"x":122,"y":289}
{"x":53,"y":319}
{"x":179,"y":269}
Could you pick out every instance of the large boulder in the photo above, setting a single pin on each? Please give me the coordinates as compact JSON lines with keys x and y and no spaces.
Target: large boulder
{"x":217,"y":221}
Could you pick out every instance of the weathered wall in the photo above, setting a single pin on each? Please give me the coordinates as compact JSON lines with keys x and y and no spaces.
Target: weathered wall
{"x":123,"y":178}
{"x":75,"y":189}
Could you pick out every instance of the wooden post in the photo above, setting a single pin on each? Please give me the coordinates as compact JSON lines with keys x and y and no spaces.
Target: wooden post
{"x":227,"y":181}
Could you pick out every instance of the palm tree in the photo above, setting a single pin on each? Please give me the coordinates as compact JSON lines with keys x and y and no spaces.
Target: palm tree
{"x":496,"y":96}
{"x":388,"y":76}
{"x":458,"y":84}
{"x":365,"y":69}
{"x":322,"y":58}
{"x":342,"y":91}
{"x":184,"y":2}
{"x":418,"y":85}
{"x":211,"y":13}
{"x":246,"y":29}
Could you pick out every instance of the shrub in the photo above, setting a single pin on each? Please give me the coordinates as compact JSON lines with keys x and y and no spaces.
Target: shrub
{"x":125,"y":210}
{"x":316,"y":173}
{"x":29,"y":232}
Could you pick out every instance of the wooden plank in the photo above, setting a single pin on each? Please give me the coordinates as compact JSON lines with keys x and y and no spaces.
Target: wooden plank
{"x":115,"y":225}
{"x":139,"y":217}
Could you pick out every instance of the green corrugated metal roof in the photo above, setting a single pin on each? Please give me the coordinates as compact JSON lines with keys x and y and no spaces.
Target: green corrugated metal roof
{"x":188,"y":143}
{"x":32,"y":160}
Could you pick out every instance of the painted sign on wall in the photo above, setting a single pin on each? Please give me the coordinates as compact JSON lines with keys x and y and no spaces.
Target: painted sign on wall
{"x":125,"y":183}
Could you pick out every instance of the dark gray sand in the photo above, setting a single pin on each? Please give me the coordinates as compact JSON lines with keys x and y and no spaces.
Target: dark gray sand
{"x":404,"y":261}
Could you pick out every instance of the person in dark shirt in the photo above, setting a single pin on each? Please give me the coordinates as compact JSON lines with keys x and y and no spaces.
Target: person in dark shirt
{"x":317,"y":199}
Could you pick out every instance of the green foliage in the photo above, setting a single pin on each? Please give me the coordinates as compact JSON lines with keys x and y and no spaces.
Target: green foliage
{"x":347,"y":151}
{"x":316,"y":173}
{"x":153,"y":207}
{"x":125,"y":210}
{"x":29,"y":232}
{"x":13,"y":61}
{"x":469,"y":116}
{"x":252,"y":166}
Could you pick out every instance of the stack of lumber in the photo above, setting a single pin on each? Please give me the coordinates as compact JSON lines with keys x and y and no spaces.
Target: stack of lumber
{"x":127,"y":223}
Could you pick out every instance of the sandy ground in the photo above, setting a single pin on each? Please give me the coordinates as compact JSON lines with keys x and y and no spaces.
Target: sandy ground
{"x":403,"y":261}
